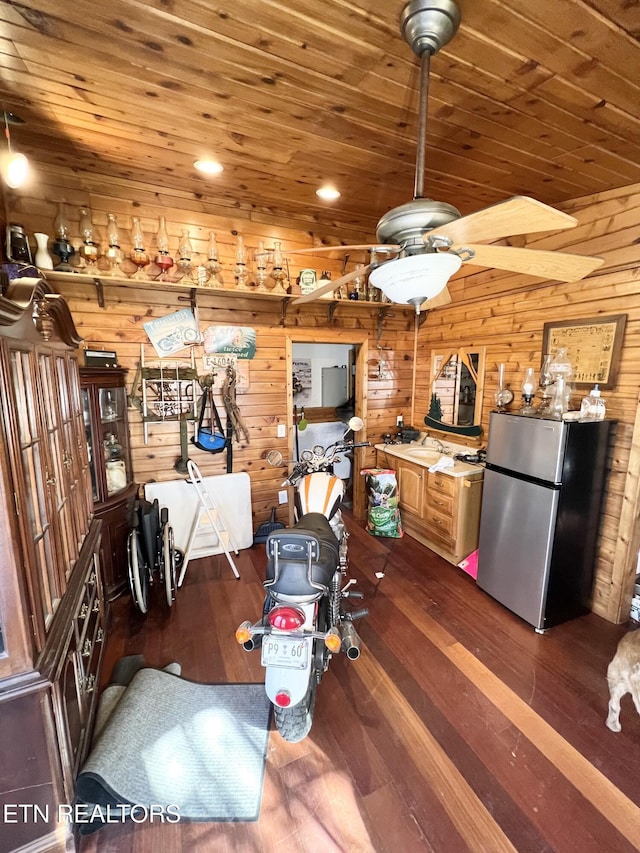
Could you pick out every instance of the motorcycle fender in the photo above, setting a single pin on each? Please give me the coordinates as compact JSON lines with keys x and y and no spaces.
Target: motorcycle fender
{"x":294,"y":681}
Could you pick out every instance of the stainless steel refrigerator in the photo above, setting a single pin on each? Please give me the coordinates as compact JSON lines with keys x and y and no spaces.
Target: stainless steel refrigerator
{"x":541,"y":503}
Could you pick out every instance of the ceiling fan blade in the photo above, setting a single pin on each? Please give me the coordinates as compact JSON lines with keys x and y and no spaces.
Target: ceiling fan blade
{"x":517,"y":215}
{"x":314,"y":250}
{"x":333,"y":285}
{"x":537,"y":262}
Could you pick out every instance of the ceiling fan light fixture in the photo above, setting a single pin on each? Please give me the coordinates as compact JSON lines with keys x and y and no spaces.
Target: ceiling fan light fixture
{"x":328,"y":193}
{"x":208,"y":166}
{"x":416,"y":278}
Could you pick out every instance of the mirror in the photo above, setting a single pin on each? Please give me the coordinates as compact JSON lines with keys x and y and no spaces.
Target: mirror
{"x":456,"y":390}
{"x":354,"y":424}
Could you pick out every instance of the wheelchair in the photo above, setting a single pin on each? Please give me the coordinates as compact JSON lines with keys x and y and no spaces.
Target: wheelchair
{"x":151,"y":552}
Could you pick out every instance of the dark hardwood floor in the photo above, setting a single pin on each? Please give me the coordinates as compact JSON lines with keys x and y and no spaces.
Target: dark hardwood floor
{"x":459,"y":728}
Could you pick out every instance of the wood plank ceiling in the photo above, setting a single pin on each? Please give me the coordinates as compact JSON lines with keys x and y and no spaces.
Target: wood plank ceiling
{"x":540,"y":98}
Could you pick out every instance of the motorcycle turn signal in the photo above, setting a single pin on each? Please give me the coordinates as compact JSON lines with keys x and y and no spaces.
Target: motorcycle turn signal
{"x":333,"y":641}
{"x":243,"y":633}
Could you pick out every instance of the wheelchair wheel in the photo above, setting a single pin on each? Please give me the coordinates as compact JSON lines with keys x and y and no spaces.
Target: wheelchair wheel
{"x":138,"y":575}
{"x":169,"y":563}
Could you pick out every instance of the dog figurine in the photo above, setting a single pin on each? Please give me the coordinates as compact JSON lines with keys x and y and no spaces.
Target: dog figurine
{"x":623,"y":676}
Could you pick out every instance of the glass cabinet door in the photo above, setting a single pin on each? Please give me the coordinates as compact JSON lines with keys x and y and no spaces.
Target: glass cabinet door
{"x":115,"y":438}
{"x":107,"y":431}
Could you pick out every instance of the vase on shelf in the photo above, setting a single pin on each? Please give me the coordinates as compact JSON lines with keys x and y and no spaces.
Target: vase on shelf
{"x":89,"y":251}
{"x":138,"y":257}
{"x":114,"y":253}
{"x":163,"y":258}
{"x":42,"y":259}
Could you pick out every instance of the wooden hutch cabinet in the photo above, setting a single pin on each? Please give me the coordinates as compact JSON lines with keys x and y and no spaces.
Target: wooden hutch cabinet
{"x":52,"y":617}
{"x":104,"y":400}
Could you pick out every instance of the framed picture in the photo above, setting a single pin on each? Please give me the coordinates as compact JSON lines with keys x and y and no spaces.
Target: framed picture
{"x":593,"y":346}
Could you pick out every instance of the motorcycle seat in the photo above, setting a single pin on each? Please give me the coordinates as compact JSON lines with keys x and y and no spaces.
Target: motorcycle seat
{"x":303,"y":559}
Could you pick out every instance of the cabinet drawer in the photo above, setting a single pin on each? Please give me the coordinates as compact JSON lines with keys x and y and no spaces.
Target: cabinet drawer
{"x":442,"y":523}
{"x":442,"y":484}
{"x":440,"y":502}
{"x":436,"y":530}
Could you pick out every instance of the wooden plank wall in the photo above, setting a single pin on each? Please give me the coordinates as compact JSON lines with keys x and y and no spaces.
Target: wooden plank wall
{"x":118,"y":325}
{"x":506,"y":314}
{"x":502,"y":311}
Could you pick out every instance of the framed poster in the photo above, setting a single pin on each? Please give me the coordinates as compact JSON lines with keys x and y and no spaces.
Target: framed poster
{"x":593,"y":346}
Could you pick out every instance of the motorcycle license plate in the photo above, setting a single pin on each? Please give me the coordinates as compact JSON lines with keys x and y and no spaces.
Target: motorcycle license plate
{"x":285,"y":652}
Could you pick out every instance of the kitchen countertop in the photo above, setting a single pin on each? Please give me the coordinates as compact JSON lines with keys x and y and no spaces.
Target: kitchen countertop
{"x":428,"y":455}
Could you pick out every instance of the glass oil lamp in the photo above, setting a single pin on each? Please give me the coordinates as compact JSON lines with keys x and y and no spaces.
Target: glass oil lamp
{"x":163,"y":258}
{"x":61,"y":245}
{"x":528,"y":392}
{"x":114,"y":253}
{"x":138,"y":256}
{"x":240,"y":273}
{"x":213,"y":261}
{"x":504,"y":395}
{"x":185,"y":253}
{"x":261,"y":258}
{"x":89,"y":249}
{"x":545,"y":381}
{"x":278,"y":273}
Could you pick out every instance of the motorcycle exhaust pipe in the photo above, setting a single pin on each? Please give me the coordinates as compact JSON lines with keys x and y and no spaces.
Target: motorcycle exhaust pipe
{"x":254,"y":643}
{"x":350,"y":640}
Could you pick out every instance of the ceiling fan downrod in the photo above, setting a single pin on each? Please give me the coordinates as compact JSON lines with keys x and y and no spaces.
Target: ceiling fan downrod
{"x":427,"y":25}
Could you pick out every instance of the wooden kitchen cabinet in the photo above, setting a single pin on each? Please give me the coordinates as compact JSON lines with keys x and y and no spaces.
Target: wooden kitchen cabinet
{"x":441,"y":511}
{"x":52,"y":612}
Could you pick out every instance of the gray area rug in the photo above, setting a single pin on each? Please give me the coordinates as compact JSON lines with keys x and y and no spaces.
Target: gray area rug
{"x":163,"y":741}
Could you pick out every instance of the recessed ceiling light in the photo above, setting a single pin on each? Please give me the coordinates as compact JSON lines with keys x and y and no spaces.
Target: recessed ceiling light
{"x":209,"y":167}
{"x":328,"y":193}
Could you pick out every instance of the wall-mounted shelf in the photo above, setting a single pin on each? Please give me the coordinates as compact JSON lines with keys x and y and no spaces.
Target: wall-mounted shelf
{"x":191,"y":292}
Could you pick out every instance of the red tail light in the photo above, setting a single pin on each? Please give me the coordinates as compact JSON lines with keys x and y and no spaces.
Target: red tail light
{"x":283,"y":699}
{"x":286,"y":618}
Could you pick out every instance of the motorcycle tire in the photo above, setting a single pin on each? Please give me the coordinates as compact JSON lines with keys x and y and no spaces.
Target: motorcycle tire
{"x":294,"y":724}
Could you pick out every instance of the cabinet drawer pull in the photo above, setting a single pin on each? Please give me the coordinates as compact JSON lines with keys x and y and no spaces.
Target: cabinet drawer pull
{"x":51,"y":481}
{"x":92,"y":577}
{"x":96,"y":606}
{"x":89,"y":683}
{"x":84,"y":610}
{"x":100,"y":635}
{"x":86,"y":651}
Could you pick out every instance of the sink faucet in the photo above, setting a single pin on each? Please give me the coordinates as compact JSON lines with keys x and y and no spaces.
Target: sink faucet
{"x":436,"y":443}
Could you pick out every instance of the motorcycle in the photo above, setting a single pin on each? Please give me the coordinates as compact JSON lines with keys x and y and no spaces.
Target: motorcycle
{"x":304,"y":622}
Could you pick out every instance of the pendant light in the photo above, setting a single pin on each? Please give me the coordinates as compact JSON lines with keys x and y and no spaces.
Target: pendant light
{"x":14,"y":166}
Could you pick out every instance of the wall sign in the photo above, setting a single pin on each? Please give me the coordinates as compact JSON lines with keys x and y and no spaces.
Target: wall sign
{"x":593,"y":346}
{"x":239,"y":340}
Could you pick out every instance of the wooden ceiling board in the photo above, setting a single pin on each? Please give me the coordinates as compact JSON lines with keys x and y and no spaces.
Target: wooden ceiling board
{"x":538,"y":98}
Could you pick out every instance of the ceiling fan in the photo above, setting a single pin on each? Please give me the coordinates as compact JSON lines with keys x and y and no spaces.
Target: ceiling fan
{"x":427,"y":241}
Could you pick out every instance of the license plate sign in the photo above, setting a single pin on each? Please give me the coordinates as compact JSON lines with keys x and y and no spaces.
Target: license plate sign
{"x":286,"y":652}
